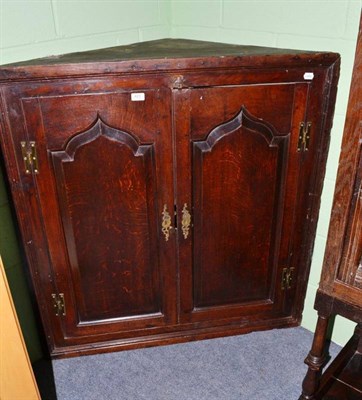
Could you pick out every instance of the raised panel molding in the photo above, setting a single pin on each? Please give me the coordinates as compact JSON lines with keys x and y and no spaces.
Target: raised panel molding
{"x":81,"y":187}
{"x":118,"y":144}
{"x":242,"y":119}
{"x":99,"y":128}
{"x":237,"y":167}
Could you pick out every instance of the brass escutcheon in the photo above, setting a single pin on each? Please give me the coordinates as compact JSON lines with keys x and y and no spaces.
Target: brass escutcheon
{"x":186,"y":221}
{"x":166,"y":223}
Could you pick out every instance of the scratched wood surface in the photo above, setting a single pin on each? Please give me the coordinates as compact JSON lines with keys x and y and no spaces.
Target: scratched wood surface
{"x":214,"y":134}
{"x":342,"y":267}
{"x":340,"y":288}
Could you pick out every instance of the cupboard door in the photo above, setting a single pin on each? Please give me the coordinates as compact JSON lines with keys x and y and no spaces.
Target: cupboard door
{"x":102,"y":194}
{"x":239,"y":169}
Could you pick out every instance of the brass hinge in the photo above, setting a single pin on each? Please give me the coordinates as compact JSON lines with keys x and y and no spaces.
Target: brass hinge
{"x":58,"y":304}
{"x":304,"y":136}
{"x":287,"y":278}
{"x":28,"y":152}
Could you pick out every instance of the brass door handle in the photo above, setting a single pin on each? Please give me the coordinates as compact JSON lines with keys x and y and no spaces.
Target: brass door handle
{"x":186,"y":221}
{"x":166,"y":223}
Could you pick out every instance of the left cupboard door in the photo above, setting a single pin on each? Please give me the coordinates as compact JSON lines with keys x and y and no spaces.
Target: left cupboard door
{"x":100,"y":200}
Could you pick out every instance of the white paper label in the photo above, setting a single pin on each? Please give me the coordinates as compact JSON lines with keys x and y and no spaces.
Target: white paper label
{"x":137,"y":96}
{"x":308,"y":76}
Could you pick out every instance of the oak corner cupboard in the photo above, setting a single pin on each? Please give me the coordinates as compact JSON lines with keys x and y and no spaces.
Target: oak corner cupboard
{"x":168,"y":190}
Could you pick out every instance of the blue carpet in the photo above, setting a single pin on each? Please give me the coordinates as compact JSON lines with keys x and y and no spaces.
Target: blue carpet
{"x":257,"y":366}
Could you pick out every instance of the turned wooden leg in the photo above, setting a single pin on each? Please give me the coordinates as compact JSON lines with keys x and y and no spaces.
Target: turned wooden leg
{"x":315,"y":360}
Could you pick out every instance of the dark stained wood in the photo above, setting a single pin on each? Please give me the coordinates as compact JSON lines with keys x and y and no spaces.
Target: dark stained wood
{"x":106,"y":239}
{"x":241,"y":165}
{"x":344,"y":237}
{"x":237,"y":168}
{"x":340,"y":289}
{"x":165,"y":49}
{"x":328,"y":305}
{"x":164,"y":54}
{"x":111,"y":256}
{"x":342,"y":378}
{"x":352,"y":374}
{"x":341,"y":391}
{"x":337,"y":366}
{"x":216,"y":134}
{"x":315,"y":359}
{"x":212,"y":107}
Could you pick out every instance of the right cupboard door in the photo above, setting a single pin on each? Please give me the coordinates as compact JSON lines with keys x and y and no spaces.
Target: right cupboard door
{"x":238,"y":173}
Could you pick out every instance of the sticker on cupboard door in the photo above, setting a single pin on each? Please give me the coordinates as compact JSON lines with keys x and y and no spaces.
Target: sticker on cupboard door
{"x":64,"y":115}
{"x":102,"y":221}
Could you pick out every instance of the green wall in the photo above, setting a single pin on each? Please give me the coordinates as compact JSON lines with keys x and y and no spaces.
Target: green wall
{"x":30,"y":29}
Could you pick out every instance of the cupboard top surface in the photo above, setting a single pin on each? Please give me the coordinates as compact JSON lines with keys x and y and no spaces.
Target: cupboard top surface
{"x":165,"y":54}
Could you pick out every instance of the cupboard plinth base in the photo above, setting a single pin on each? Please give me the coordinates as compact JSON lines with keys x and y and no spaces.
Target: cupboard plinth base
{"x":170,"y":338}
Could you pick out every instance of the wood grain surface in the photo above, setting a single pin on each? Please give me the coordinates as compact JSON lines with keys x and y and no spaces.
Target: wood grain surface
{"x":214,"y":131}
